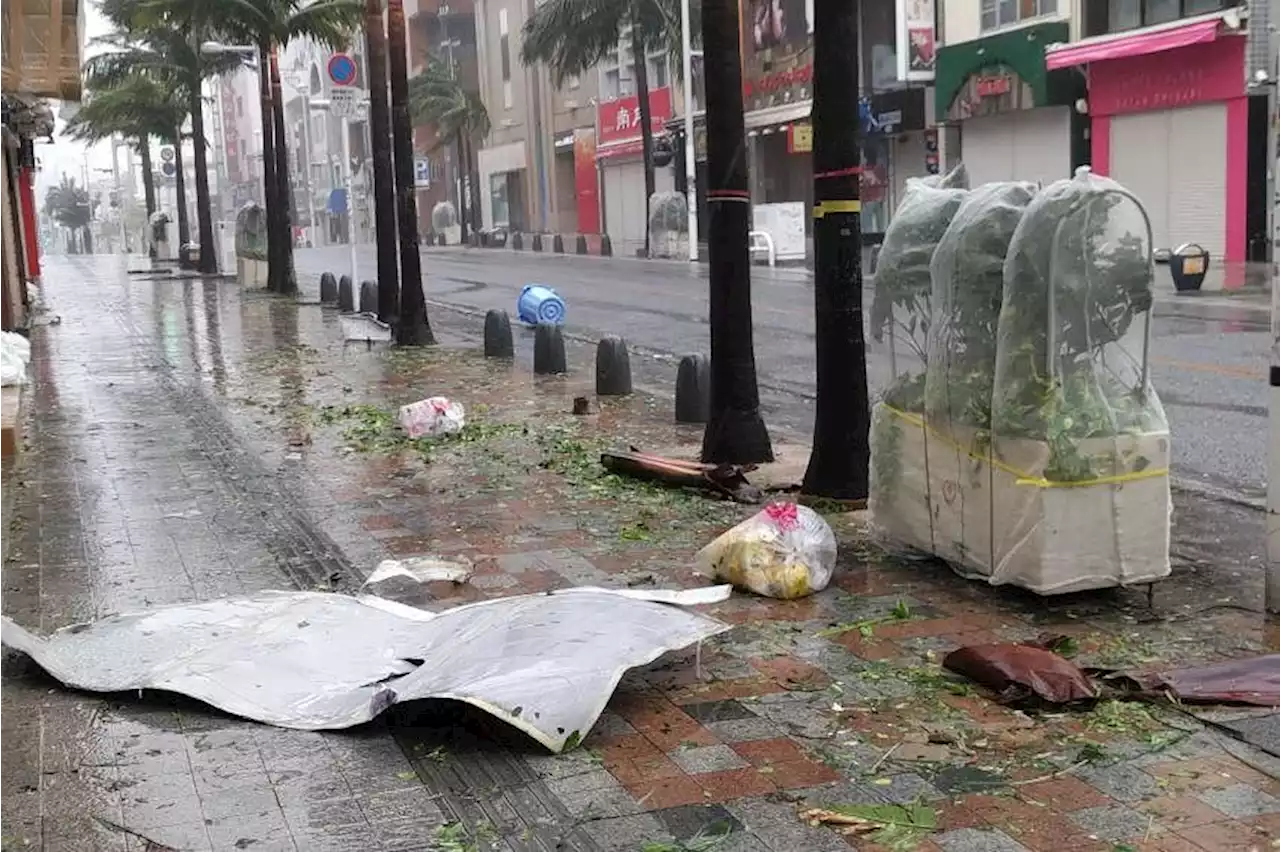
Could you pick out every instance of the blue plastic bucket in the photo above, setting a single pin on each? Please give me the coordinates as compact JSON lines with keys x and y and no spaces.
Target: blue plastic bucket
{"x":538,"y":303}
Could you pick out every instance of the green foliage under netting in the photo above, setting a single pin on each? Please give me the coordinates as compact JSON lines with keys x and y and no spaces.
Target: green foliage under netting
{"x":903,"y":288}
{"x":1070,"y":356}
{"x":968,"y":285}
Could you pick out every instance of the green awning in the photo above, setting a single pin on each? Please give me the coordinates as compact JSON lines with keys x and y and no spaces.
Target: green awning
{"x":1021,"y":50}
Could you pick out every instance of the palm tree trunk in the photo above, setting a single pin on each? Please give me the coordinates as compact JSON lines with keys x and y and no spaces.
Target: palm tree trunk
{"x":204,"y":208}
{"x":735,"y":432}
{"x":180,"y":190}
{"x":472,"y":183}
{"x":148,"y":177}
{"x":384,"y":191}
{"x":463,"y":202}
{"x":414,"y":327}
{"x":288,"y":280}
{"x":841,"y":456}
{"x":269,"y":187}
{"x":641,"y":60}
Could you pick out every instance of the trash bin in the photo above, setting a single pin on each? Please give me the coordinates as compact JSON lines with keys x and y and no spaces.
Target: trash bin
{"x":189,"y":255}
{"x":1188,"y":264}
{"x":538,"y":304}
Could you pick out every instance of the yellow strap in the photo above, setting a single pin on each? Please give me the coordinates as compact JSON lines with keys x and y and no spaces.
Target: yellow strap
{"x":1023,"y":477}
{"x":825,"y":207}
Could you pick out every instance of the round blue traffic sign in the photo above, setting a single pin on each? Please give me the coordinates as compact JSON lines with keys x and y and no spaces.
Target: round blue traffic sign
{"x":342,"y":69}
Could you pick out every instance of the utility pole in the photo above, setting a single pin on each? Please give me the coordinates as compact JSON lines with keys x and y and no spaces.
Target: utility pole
{"x":840,"y":459}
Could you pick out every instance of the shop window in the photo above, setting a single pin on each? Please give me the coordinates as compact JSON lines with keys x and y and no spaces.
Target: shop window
{"x":1002,"y":13}
{"x":611,"y":86}
{"x":1114,"y":16}
{"x":498,"y":199}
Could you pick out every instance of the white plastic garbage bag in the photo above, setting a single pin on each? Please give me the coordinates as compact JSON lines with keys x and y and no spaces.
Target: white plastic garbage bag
{"x":15,"y":354}
{"x":18,"y":344}
{"x":431,"y":417}
{"x":784,"y":551}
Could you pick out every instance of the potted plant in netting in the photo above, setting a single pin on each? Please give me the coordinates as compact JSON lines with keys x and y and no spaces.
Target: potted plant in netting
{"x":967,"y":271}
{"x":1079,"y":439}
{"x":669,"y":224}
{"x":901,"y":312}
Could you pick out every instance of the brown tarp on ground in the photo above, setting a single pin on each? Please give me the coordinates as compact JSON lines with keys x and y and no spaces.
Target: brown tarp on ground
{"x":1019,"y":671}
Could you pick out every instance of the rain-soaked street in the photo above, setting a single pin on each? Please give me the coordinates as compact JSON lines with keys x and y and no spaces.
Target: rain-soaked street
{"x":187,"y":439}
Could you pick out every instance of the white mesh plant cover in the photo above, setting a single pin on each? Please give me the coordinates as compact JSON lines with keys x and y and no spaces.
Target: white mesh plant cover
{"x":901,"y":310}
{"x":443,"y":215}
{"x":1080,"y":490}
{"x":967,"y":271}
{"x":668,"y":213}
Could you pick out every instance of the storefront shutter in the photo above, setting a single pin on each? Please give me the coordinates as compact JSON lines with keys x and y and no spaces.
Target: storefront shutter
{"x":1032,"y":145}
{"x":1174,"y":161}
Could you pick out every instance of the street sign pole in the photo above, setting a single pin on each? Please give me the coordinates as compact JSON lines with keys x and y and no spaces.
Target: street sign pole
{"x":343,"y":101}
{"x":1273,"y":473}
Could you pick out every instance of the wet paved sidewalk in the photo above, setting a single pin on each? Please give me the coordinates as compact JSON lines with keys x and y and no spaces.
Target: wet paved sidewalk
{"x":189,"y":440}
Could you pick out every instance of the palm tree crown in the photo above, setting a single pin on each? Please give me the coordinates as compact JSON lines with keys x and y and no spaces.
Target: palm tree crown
{"x":437,"y":97}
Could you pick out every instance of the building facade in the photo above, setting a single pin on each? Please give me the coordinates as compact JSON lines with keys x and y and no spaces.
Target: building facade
{"x":1173,"y":98}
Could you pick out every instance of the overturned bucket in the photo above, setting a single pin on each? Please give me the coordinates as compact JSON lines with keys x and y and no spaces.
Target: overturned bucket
{"x":538,"y":303}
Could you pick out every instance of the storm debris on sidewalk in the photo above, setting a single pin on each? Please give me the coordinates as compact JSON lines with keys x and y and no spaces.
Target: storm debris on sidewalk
{"x":1020,"y":671}
{"x":896,"y":827}
{"x":728,"y":480}
{"x":545,"y":664}
{"x":423,"y":569}
{"x":784,"y":551}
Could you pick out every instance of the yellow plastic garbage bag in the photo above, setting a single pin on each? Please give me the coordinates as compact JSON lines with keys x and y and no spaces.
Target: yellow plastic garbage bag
{"x":784,"y":551}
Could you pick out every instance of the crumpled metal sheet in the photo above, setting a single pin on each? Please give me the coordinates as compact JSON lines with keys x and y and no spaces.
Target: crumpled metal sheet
{"x":546,"y":664}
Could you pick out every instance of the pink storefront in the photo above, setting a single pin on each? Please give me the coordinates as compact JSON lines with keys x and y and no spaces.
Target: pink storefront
{"x":1171,"y":121}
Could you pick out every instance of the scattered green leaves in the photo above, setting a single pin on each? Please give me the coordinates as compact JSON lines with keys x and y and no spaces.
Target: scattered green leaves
{"x":866,"y":627}
{"x":900,"y":828}
{"x":456,"y":837}
{"x":1065,"y":646}
{"x":1123,"y":717}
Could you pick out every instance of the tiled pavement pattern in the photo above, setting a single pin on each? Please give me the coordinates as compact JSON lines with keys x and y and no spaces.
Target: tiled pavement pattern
{"x":189,"y":441}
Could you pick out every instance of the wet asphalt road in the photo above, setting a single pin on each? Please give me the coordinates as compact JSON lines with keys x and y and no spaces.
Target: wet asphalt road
{"x":1209,"y":354}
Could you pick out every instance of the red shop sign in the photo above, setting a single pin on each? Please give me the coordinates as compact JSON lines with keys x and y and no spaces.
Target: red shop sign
{"x":619,"y":120}
{"x":993,"y":86}
{"x":798,"y":76}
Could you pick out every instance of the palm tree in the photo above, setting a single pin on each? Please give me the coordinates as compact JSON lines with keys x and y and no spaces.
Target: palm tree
{"x":573,"y":36}
{"x":839,"y":464}
{"x":735,"y":431}
{"x":161,"y":40}
{"x":271,"y":25}
{"x":414,"y":327}
{"x":70,"y":207}
{"x":384,"y":190}
{"x":436,"y":97}
{"x":137,"y":108}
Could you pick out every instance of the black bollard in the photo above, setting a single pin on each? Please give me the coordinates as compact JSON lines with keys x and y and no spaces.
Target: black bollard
{"x":582,"y":244}
{"x":369,"y":297}
{"x":557,"y":244}
{"x":537,"y":242}
{"x":606,"y":246}
{"x":346,"y":295}
{"x":517,"y":241}
{"x":693,"y":390}
{"x":613,"y":367}
{"x":548,"y":350}
{"x":328,"y":289}
{"x":498,"y":342}
{"x":440,"y":240}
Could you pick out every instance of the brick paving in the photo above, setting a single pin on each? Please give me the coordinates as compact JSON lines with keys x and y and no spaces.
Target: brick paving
{"x":188,"y":440}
